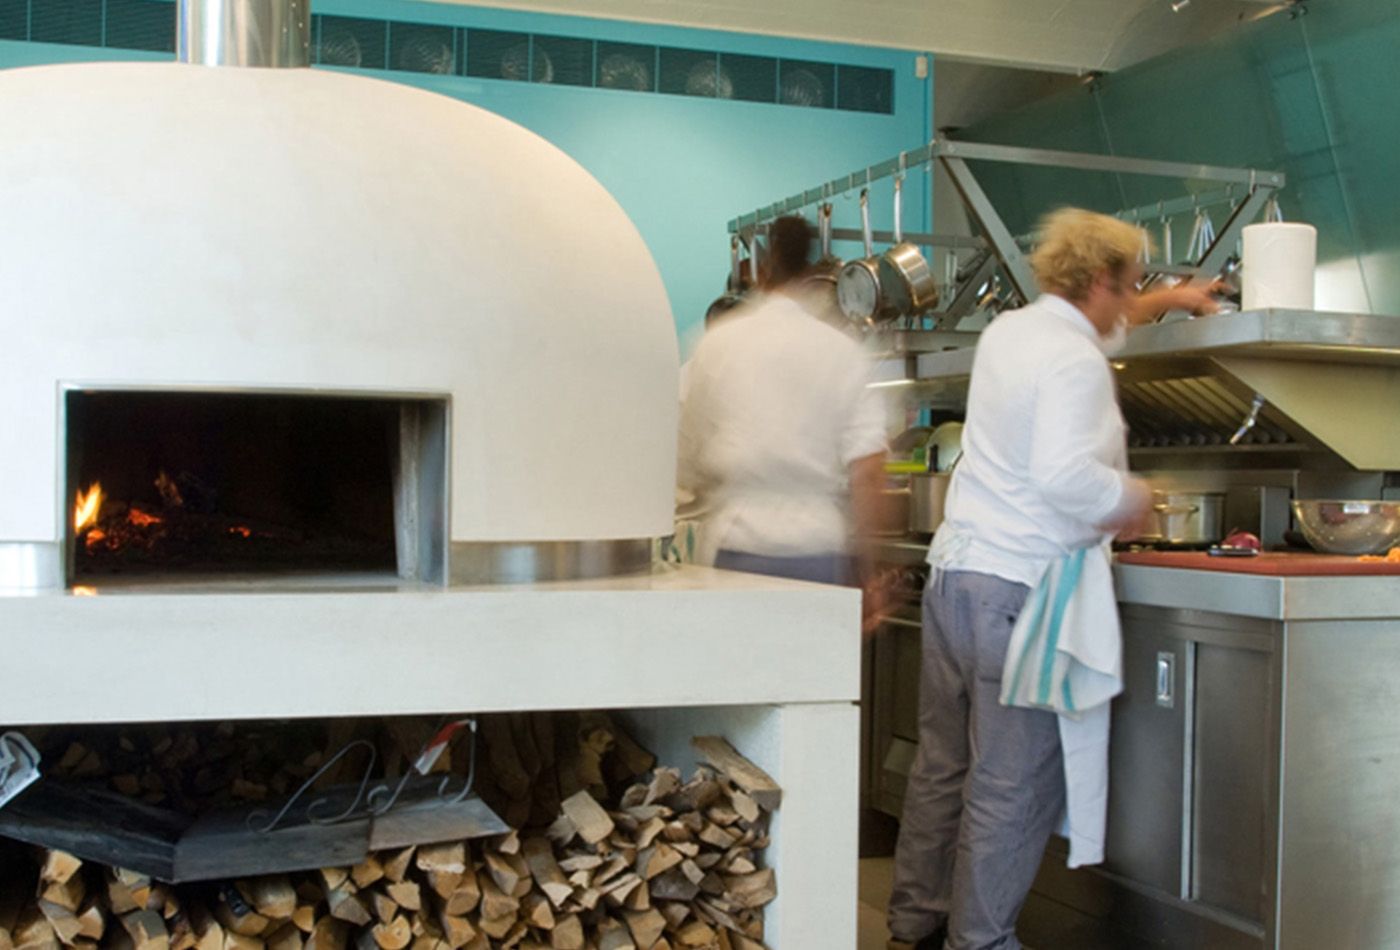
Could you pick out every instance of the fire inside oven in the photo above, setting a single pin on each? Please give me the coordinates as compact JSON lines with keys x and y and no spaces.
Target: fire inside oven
{"x":197,"y":483}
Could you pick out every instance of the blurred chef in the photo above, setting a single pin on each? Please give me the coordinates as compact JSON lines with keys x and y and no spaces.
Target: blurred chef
{"x":1043,"y":473}
{"x":781,"y":434}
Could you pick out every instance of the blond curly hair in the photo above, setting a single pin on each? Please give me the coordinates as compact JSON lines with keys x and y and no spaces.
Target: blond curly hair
{"x":1076,"y":245}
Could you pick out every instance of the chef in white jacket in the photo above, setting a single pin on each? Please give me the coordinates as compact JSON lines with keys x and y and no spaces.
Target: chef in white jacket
{"x":782,"y":435}
{"x":1043,"y":473}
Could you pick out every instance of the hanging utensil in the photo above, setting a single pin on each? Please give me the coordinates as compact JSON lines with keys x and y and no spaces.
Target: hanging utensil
{"x":858,"y":291}
{"x":733,"y":286}
{"x":828,"y":260}
{"x":903,"y":270}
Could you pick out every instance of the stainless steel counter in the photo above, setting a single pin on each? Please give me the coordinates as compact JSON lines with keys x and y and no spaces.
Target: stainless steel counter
{"x":1268,"y":598}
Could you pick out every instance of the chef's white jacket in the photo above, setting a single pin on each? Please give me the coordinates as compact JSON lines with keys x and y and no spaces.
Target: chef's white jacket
{"x":1044,"y":453}
{"x":777,"y":408}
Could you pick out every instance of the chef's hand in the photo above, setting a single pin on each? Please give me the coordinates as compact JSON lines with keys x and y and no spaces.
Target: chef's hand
{"x":1194,"y":299}
{"x":1134,"y":511}
{"x":874,"y":601}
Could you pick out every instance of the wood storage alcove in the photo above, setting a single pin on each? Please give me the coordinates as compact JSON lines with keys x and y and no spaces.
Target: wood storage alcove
{"x":599,"y":845}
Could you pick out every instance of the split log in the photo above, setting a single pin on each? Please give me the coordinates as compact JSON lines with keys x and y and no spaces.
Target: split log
{"x":406,"y":894}
{"x":59,"y":867}
{"x":236,"y":914}
{"x":272,"y":896}
{"x":66,"y":926}
{"x":466,"y":895}
{"x":385,"y":907}
{"x":646,"y":926}
{"x":567,"y":933}
{"x":755,"y":782}
{"x":146,"y":928}
{"x":495,"y":904}
{"x":92,"y":922}
{"x":657,"y":860}
{"x":305,"y":918}
{"x":503,"y":872}
{"x":394,"y":935}
{"x":614,"y":936}
{"x":444,"y":883}
{"x":233,"y":941}
{"x":548,"y":877}
{"x":330,"y":933}
{"x":456,"y":931}
{"x":286,"y":937}
{"x":752,"y":890}
{"x":696,"y":933}
{"x":396,"y":866}
{"x":32,"y":931}
{"x":588,"y":817}
{"x":535,"y":911}
{"x":346,"y":905}
{"x":449,"y":858}
{"x":67,"y":894}
{"x":367,"y":872}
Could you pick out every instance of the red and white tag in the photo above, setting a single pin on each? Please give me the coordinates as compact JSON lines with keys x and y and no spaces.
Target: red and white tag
{"x":438,"y":743}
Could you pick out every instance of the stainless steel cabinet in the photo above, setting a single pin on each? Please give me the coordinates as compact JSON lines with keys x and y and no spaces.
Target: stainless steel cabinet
{"x":1148,"y":759}
{"x":1191,"y":854}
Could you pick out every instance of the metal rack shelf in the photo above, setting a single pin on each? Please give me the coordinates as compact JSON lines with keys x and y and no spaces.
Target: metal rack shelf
{"x":1000,"y":250}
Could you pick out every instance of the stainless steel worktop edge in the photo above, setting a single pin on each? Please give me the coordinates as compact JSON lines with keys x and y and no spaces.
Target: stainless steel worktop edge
{"x":1252,"y":595}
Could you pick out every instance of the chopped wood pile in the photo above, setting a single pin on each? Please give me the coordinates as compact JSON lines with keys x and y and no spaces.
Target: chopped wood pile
{"x":666,"y":864}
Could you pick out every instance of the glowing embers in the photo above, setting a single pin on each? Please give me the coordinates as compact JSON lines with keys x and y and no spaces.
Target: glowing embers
{"x":102,"y":524}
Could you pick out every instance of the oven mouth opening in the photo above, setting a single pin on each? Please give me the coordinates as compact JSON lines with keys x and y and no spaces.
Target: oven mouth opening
{"x":164,"y":484}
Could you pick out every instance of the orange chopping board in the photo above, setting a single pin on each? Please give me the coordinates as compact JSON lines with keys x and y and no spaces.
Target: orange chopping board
{"x":1275,"y":563}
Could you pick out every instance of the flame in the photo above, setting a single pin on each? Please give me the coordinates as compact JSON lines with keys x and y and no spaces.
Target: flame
{"x":89,"y":504}
{"x":141,"y":519}
{"x":241,"y":531}
{"x":83,"y":590}
{"x":94,"y":537}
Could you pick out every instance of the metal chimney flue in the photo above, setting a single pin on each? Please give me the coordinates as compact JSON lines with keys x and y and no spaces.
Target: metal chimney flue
{"x":272,"y":33}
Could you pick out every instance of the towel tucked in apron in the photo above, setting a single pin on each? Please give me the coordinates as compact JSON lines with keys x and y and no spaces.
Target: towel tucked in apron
{"x":1066,"y":656}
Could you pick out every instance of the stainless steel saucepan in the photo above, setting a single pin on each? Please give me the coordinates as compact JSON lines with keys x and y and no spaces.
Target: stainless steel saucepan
{"x":1186,"y":518}
{"x":858,"y":290}
{"x":904,"y":272}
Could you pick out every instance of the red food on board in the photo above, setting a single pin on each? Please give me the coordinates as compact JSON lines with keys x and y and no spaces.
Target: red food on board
{"x":1242,"y":539}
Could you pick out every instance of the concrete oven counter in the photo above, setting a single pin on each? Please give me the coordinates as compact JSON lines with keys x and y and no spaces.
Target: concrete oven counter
{"x":774,"y":665}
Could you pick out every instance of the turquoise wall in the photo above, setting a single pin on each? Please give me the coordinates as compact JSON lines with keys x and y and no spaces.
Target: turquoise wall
{"x":681,"y":166}
{"x":1313,"y":95}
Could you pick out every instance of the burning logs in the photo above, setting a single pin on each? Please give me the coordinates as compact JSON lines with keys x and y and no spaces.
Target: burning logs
{"x":666,"y":864}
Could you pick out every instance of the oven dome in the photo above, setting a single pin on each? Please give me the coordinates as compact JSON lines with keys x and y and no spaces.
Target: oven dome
{"x":177,"y":226}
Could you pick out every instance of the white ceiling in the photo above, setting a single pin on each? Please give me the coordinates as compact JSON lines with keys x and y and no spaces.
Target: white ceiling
{"x":1064,"y":35}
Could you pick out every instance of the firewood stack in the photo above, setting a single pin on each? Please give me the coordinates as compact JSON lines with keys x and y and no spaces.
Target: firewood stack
{"x":672,"y":866}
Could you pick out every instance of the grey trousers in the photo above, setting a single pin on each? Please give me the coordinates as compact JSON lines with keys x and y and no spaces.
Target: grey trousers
{"x":832,"y":568}
{"x":987,"y":785}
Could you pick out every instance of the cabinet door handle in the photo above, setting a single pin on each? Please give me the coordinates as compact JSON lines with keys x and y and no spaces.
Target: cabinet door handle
{"x":1166,"y":679}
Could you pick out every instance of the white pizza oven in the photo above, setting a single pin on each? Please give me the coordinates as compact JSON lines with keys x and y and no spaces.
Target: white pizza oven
{"x":263,"y":319}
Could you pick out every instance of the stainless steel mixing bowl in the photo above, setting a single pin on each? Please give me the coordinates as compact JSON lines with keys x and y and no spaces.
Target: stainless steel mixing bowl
{"x":1349,"y":527}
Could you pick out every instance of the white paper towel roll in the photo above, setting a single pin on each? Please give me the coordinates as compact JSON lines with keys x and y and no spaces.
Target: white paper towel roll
{"x":1277,"y":271}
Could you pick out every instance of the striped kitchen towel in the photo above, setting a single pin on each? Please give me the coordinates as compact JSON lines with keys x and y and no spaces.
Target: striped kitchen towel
{"x":1066,"y":656}
{"x":1065,"y":653}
